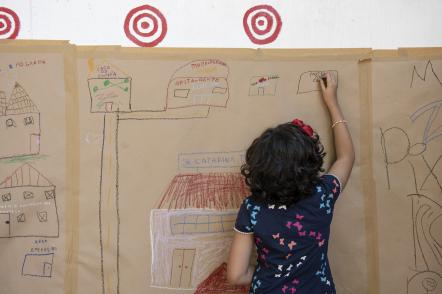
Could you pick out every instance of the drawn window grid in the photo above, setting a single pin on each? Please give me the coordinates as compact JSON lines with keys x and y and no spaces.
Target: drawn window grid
{"x":29,"y":120}
{"x":6,"y":197}
{"x":10,"y":123}
{"x":202,"y":224}
{"x":28,"y":195}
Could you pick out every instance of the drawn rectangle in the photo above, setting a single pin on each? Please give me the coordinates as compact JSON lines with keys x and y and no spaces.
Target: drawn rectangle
{"x":38,"y":265}
{"x":5,"y":225}
{"x":181,"y":93}
{"x":211,"y":160}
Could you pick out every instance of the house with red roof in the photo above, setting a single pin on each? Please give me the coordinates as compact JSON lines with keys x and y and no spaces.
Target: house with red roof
{"x":192,"y":227}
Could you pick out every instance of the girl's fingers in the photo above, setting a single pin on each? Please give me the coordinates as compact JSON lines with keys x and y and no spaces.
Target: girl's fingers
{"x":321,"y":82}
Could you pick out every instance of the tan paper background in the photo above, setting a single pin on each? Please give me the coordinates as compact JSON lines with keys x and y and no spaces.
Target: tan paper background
{"x":112,"y":167}
{"x":407,"y":171}
{"x":40,"y":73}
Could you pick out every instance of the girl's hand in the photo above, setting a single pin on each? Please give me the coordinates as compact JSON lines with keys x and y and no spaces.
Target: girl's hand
{"x":329,"y":92}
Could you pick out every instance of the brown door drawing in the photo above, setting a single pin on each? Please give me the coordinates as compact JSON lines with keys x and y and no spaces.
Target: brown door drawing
{"x":34,"y":143}
{"x":182,"y":264}
{"x":5,"y":225}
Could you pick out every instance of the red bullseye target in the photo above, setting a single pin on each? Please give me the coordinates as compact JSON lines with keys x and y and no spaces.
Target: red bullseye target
{"x":145,"y":25}
{"x":9,"y":24}
{"x":262,"y":24}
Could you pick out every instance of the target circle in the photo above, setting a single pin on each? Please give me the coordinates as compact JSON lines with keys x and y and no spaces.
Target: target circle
{"x":9,"y":24}
{"x":145,"y":25}
{"x":262,"y":24}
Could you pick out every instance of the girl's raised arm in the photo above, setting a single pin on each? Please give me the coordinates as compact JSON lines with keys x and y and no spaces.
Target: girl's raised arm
{"x":345,"y":155}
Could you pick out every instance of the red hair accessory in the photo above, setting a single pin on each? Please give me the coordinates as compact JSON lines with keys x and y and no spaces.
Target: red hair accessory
{"x":305,"y":128}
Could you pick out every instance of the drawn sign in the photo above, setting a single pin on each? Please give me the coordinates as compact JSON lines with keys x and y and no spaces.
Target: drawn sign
{"x":309,"y":80}
{"x":262,"y":24}
{"x":145,"y":25}
{"x":19,"y":124}
{"x":210,"y":160}
{"x":27,"y":206}
{"x":38,"y":265}
{"x":263,"y":85}
{"x":9,"y":24}
{"x":109,"y":89}
{"x":199,"y":82}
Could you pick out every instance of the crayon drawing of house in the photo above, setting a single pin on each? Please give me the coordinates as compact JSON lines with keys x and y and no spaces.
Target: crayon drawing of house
{"x":192,"y":227}
{"x":109,"y":89}
{"x":263,"y":85}
{"x":200,"y":82}
{"x":27,"y":205}
{"x":19,"y":124}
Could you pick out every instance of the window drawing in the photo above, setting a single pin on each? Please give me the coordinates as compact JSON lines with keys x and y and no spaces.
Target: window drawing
{"x":10,"y":123}
{"x":21,"y":218}
{"x":28,"y":195}
{"x":42,"y":216}
{"x":29,"y":120}
{"x":19,"y":139}
{"x":6,"y":197}
{"x":202,"y":223}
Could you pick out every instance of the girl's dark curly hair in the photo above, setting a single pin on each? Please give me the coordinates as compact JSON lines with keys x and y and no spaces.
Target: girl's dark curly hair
{"x":283,"y":165}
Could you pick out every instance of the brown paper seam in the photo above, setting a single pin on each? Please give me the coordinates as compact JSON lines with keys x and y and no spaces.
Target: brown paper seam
{"x":370,"y":206}
{"x":72,"y":174}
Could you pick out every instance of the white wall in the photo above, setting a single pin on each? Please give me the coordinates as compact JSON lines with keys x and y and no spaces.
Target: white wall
{"x":218,"y":23}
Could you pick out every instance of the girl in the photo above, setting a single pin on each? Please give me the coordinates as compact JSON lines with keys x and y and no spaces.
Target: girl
{"x":289,"y":213}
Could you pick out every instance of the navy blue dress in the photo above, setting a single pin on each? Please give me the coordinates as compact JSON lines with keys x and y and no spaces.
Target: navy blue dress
{"x":292,"y":242}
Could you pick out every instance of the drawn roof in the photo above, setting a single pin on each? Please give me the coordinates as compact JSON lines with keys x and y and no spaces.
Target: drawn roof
{"x":211,"y":190}
{"x":25,"y":175}
{"x":19,"y":102}
{"x":216,"y":283}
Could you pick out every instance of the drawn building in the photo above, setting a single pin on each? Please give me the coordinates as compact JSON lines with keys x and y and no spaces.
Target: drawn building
{"x":309,"y":80}
{"x":109,"y":89}
{"x":27,"y":206}
{"x":263,"y":85}
{"x":200,"y":82}
{"x":38,"y":265}
{"x":19,"y":124}
{"x":192,"y":227}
